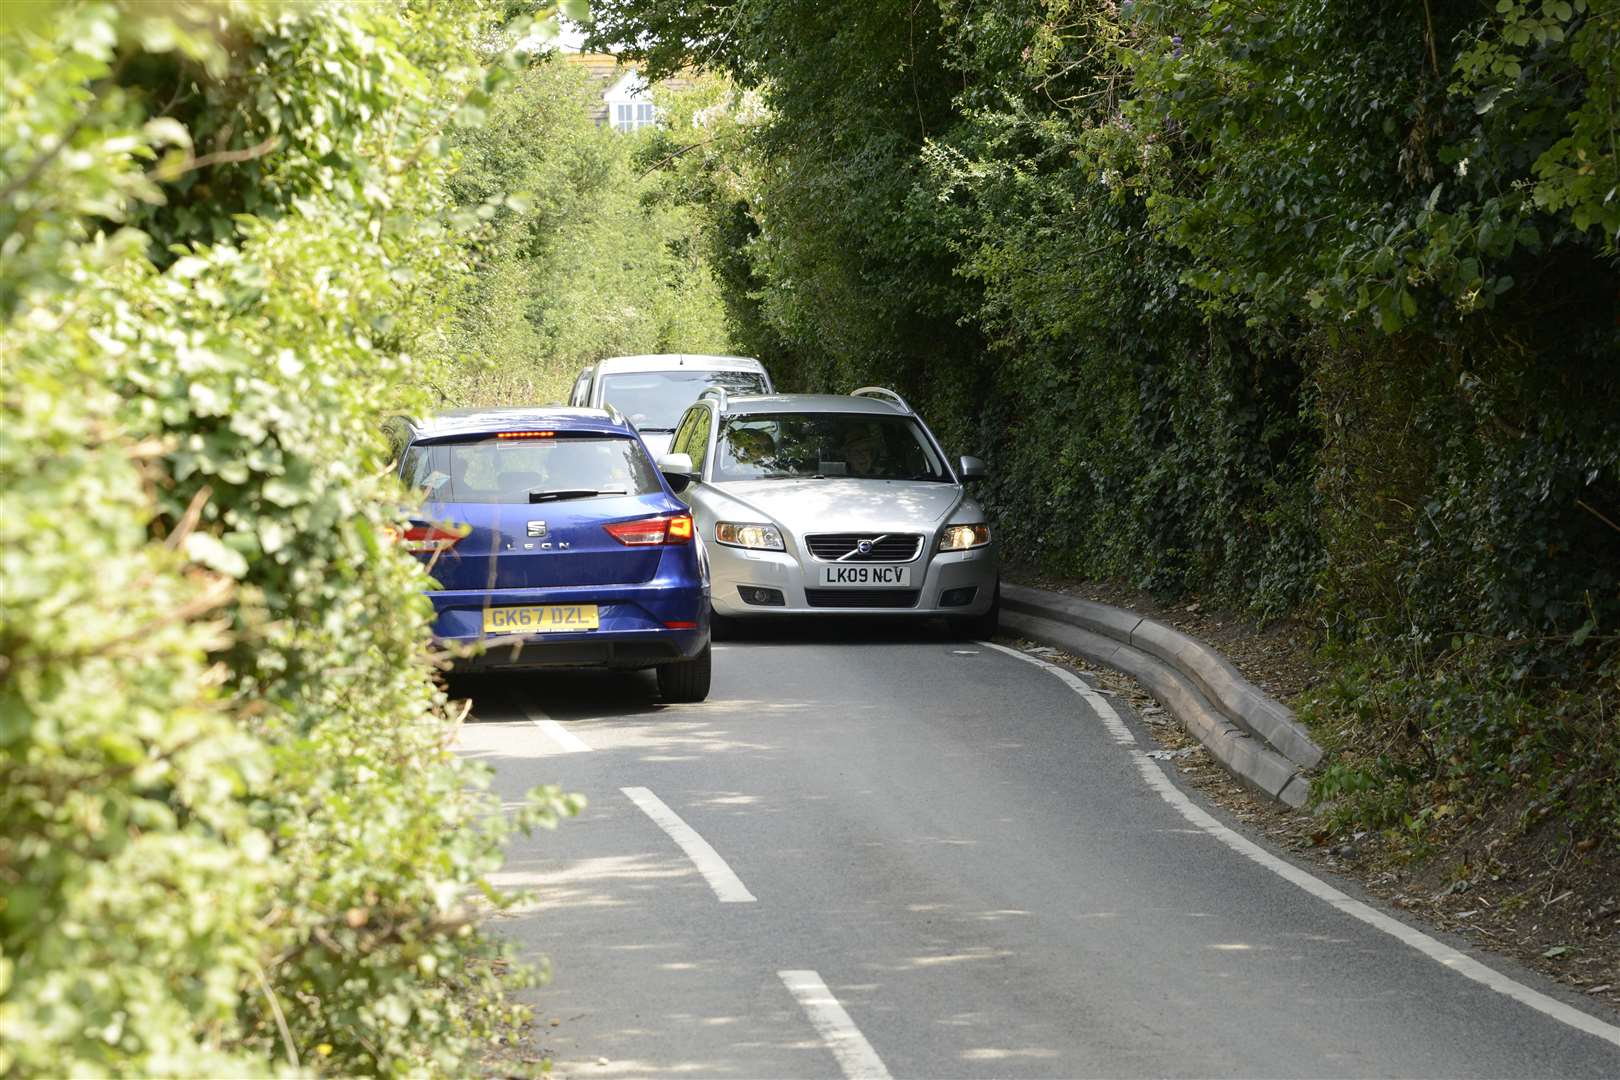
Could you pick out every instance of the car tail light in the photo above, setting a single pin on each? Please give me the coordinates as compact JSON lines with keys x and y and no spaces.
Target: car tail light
{"x":525,"y":434}
{"x":646,"y":532}
{"x":424,"y":538}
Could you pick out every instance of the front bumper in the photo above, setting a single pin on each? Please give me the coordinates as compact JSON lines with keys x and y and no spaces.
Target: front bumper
{"x":733,"y":569}
{"x":631,"y":633}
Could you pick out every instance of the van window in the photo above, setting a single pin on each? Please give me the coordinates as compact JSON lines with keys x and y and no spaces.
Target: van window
{"x":654,"y":400}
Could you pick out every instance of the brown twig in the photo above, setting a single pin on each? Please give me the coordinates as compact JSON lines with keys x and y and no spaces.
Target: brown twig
{"x":218,"y":157}
{"x":44,"y":160}
{"x":281,"y":1021}
{"x":41,"y":163}
{"x":188,"y":520}
{"x":1595,"y":512}
{"x":666,"y":160}
{"x":1428,"y":17}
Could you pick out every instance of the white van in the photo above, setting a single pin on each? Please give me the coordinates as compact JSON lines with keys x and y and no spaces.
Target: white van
{"x":653,"y":391}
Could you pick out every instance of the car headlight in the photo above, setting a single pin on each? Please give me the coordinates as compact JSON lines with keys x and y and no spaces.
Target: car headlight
{"x":962,"y":537}
{"x":745,"y":535}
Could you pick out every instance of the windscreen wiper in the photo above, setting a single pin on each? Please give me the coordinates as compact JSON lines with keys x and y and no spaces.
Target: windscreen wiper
{"x":571,"y":493}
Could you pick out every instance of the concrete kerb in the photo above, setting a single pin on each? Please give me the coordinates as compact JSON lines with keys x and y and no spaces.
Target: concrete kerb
{"x":1254,"y":736}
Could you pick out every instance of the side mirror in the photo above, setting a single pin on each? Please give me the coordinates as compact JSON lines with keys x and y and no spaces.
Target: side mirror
{"x":678,"y":470}
{"x":971,"y":468}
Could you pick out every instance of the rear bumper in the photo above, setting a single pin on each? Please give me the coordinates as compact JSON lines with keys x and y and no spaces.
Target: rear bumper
{"x":632,"y":630}
{"x":620,"y":651}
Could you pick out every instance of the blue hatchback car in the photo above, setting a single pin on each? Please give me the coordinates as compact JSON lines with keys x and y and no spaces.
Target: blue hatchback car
{"x":557,"y":543}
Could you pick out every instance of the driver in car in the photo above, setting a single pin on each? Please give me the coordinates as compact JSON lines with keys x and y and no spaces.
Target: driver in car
{"x":864,"y":453}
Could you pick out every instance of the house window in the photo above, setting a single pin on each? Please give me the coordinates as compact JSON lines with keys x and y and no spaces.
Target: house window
{"x":630,"y":115}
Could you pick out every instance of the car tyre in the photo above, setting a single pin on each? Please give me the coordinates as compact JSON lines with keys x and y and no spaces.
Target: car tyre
{"x":979,"y":627}
{"x":686,"y":681}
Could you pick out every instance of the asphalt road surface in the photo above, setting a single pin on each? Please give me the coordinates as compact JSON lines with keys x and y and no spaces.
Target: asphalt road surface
{"x":881,"y":853}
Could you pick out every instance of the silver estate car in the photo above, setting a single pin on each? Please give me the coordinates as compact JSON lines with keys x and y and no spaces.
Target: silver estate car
{"x":814,"y":504}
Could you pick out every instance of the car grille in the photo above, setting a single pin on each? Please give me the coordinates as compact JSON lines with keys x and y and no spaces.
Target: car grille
{"x":886,"y":547}
{"x":861,"y":598}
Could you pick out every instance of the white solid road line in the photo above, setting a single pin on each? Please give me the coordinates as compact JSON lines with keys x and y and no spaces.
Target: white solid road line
{"x":855,"y":1055}
{"x":726,"y":885}
{"x":1437,"y":951}
{"x":1099,"y":704}
{"x":570,"y":743}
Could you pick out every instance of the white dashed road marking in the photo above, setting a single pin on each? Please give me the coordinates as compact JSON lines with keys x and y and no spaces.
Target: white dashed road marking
{"x":726,"y":885}
{"x":1437,"y":951}
{"x":855,"y":1055}
{"x":570,"y":743}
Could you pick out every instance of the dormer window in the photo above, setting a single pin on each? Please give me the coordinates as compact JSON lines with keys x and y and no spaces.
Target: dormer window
{"x":631,"y":115}
{"x":629,"y":103}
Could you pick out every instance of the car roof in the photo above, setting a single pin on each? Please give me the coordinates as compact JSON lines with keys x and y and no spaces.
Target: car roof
{"x":667,"y":361}
{"x":458,"y":422}
{"x":737,"y":404}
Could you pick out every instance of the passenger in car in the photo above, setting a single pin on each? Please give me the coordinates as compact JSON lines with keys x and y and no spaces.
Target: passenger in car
{"x":751,"y":446}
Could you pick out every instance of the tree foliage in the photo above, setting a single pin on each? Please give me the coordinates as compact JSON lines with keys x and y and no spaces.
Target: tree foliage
{"x":581,"y":256}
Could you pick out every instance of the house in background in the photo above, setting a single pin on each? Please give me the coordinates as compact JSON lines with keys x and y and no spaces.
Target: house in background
{"x":625,"y":101}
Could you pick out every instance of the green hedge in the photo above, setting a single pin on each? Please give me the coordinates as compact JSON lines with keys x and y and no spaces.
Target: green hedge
{"x":233,"y":839}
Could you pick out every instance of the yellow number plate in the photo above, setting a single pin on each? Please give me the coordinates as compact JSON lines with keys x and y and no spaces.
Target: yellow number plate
{"x":540,"y":620}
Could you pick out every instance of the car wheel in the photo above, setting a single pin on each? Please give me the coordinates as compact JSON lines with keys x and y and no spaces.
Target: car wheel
{"x":686,"y":680}
{"x":979,"y":627}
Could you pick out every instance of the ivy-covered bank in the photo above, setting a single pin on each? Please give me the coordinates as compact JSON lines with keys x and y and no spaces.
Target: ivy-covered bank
{"x":232,"y":838}
{"x":1312,"y":307}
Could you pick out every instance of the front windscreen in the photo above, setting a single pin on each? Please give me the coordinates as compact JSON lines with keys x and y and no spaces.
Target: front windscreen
{"x":523,"y":469}
{"x":654,"y":400}
{"x":771,"y":446}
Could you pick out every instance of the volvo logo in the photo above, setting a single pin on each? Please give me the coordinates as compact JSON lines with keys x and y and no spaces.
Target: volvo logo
{"x":537,"y":528}
{"x":864,"y":547}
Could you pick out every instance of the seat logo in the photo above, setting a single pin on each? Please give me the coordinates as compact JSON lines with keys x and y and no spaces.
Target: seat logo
{"x":537,"y":528}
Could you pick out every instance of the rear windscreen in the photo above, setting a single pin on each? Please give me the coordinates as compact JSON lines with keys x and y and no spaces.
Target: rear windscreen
{"x":513,"y":470}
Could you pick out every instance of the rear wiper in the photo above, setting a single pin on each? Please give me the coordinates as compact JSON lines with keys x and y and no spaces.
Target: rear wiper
{"x":571,"y":493}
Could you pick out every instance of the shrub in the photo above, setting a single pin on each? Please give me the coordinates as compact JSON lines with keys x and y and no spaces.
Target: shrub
{"x":234,"y":839}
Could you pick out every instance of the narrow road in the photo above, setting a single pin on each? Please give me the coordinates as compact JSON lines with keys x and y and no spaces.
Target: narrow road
{"x":878,"y":853}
